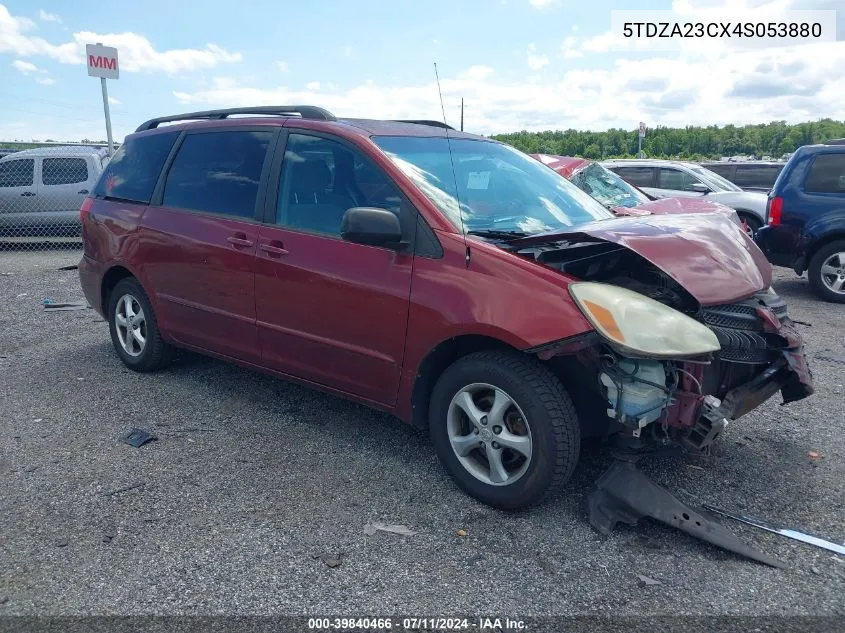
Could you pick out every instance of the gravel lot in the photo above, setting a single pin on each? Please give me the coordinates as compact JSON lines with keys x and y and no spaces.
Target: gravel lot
{"x":254,"y":479}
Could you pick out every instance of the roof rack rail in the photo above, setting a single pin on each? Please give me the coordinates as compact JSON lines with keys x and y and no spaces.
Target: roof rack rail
{"x":835,"y":141}
{"x":304,"y":111}
{"x":426,"y":122}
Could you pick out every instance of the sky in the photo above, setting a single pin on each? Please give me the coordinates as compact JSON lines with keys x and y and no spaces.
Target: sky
{"x":518,"y":64}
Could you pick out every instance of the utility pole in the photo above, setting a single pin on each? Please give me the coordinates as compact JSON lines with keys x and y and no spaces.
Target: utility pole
{"x":462,"y":114}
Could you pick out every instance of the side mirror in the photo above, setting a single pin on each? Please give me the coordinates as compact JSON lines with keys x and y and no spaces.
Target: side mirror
{"x":371,"y":226}
{"x":699,"y":187}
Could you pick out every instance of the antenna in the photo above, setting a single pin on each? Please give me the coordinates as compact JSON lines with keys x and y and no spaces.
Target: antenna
{"x":452,"y":161}
{"x":440,"y":94}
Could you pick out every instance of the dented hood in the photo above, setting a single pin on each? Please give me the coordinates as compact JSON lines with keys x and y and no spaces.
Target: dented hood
{"x":709,"y":255}
{"x":683,"y":205}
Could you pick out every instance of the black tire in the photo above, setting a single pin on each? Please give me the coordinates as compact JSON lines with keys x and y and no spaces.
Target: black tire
{"x":547,"y":408}
{"x":751,"y":221}
{"x":155,"y":353}
{"x":814,"y":272}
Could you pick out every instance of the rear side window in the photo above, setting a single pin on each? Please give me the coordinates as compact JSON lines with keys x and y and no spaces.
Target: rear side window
{"x":17,"y":173}
{"x":218,"y":172}
{"x":756,"y":175}
{"x":637,"y":176}
{"x":827,"y":174}
{"x":723,"y":170}
{"x":64,"y":171}
{"x":132,"y":172}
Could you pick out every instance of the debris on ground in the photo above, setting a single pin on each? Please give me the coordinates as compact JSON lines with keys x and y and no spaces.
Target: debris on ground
{"x":109,"y":533}
{"x":831,"y":358}
{"x":372,"y":528}
{"x":810,"y":539}
{"x":61,"y":542}
{"x":140,"y":484}
{"x":6,"y":274}
{"x":71,"y":267}
{"x":138,"y":437}
{"x":816,"y":570}
{"x":331,"y":560}
{"x":814,"y":454}
{"x":462,"y":532}
{"x":51,"y":305}
{"x":645,"y":581}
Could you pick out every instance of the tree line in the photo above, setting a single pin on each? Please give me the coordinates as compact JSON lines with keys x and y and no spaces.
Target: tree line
{"x":692,"y":142}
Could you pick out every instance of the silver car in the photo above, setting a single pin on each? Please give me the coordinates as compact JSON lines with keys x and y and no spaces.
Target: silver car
{"x":678,"y":179}
{"x":42,"y":189}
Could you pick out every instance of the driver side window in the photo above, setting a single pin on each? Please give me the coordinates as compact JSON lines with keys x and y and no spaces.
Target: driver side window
{"x":322,"y":178}
{"x":675,"y":179}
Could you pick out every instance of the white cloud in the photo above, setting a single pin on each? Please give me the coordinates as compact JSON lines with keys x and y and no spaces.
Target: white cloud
{"x":569,"y":48}
{"x":113,"y":101}
{"x":49,"y":17}
{"x":26,"y":67}
{"x":283,"y":66}
{"x":314,"y":85}
{"x":541,"y":4}
{"x":136,"y":52}
{"x":535,"y":60}
{"x":798,"y":84}
{"x":46,"y":81}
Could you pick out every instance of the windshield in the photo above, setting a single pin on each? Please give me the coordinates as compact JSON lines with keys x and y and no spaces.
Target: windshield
{"x":715,"y":180}
{"x":607,"y":187}
{"x":498,"y":189}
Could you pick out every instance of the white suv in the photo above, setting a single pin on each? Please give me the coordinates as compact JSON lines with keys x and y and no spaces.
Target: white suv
{"x":677,"y":179}
{"x":42,"y":189}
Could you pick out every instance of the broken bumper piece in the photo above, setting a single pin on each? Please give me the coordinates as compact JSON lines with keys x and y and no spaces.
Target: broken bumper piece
{"x":625,"y":494}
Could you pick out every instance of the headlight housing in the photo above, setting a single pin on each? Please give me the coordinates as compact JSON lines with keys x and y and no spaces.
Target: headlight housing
{"x":640,"y":325}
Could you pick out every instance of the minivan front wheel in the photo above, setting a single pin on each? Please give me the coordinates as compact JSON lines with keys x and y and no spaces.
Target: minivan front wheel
{"x":504,"y":427}
{"x":134,"y":330}
{"x":826,"y":272}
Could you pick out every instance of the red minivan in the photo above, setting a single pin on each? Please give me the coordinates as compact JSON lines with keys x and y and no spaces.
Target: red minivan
{"x":443,"y":277}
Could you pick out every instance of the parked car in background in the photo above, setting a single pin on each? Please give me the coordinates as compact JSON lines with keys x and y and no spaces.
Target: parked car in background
{"x":41,"y":189}
{"x":749,"y":175}
{"x":678,"y":179}
{"x":443,"y":277}
{"x":806,"y":218}
{"x":623,"y":198}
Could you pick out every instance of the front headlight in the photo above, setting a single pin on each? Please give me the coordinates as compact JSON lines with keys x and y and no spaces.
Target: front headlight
{"x":641,"y":325}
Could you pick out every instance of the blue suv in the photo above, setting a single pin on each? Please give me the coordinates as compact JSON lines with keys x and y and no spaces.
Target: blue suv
{"x":805,"y":218}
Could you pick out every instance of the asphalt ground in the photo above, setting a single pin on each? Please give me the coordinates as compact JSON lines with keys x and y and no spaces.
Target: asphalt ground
{"x":256,"y":489}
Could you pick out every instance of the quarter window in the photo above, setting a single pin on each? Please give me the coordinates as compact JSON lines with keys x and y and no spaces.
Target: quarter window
{"x":134,"y":169}
{"x":827,"y":174}
{"x":218,"y":172}
{"x":63,"y":171}
{"x":17,"y":173}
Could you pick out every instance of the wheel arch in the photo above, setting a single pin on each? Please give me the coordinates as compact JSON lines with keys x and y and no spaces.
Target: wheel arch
{"x":435,"y":363}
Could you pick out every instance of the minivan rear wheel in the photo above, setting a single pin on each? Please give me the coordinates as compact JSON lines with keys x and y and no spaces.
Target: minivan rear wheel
{"x":827,"y":272}
{"x":504,"y":427}
{"x":134,"y":329}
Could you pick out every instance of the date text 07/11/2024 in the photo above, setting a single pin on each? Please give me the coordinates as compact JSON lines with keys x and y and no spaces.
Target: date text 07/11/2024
{"x":417,"y":624}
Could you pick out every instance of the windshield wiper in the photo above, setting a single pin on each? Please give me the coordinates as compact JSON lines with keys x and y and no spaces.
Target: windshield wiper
{"x":496,"y":234}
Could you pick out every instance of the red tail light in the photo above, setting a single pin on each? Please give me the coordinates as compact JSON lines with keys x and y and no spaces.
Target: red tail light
{"x":775,"y":210}
{"x":85,"y":208}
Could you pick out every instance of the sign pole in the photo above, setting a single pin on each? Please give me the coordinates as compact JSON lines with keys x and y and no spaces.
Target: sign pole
{"x":107,"y":113}
{"x":639,"y":149}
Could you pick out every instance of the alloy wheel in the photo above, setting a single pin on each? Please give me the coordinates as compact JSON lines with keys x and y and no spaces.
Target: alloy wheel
{"x":833,"y":273}
{"x":489,"y":434}
{"x":131,"y":325}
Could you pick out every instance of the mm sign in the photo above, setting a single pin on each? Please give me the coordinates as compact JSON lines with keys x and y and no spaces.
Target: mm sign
{"x":642,"y":129}
{"x":102,"y":61}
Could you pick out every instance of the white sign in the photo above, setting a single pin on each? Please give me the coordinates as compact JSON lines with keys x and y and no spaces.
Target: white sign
{"x":102,"y":61}
{"x":642,"y":129}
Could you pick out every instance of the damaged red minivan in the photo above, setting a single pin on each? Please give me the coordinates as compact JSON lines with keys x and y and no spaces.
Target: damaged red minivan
{"x":443,"y":277}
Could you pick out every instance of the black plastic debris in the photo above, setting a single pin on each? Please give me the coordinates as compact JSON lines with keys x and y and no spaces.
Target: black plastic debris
{"x":137,"y":438}
{"x":71,"y":267}
{"x":624,"y":494}
{"x":831,"y":358}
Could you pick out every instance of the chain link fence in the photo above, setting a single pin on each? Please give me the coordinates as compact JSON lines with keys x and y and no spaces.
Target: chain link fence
{"x":41,"y":190}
